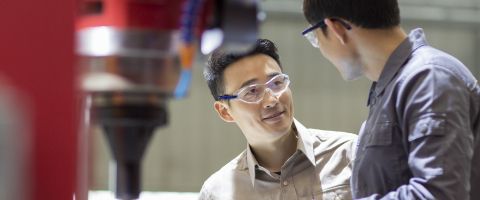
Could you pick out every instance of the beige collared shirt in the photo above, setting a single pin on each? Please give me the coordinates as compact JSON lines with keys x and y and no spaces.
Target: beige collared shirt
{"x":319,"y":169}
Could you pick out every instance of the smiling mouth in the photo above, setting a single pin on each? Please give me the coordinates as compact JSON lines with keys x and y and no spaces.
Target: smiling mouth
{"x":274,"y":115}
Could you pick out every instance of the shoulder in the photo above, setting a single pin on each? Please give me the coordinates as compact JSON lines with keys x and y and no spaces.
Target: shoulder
{"x":334,"y":154}
{"x":427,"y":63}
{"x":223,"y":176}
{"x":334,"y":141}
{"x":333,"y":137}
{"x":430,"y":56}
{"x":323,"y":140}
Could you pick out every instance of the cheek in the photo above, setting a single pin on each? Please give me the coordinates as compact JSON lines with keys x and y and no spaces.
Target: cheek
{"x":323,"y":47}
{"x":287,"y":100}
{"x":329,"y":54}
{"x":245,"y":111}
{"x":338,"y":56}
{"x":323,"y":50}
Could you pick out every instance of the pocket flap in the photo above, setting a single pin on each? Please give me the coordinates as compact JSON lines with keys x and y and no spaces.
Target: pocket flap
{"x":430,"y":125}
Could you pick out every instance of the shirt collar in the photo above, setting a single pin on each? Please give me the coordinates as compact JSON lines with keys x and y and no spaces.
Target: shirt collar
{"x":304,"y":144}
{"x":415,"y":40}
{"x":305,"y":141}
{"x":251,"y":164}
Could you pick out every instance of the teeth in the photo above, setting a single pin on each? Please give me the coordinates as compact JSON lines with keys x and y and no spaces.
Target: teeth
{"x":272,"y":116}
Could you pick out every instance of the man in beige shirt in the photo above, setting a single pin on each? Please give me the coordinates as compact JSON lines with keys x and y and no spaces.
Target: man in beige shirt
{"x":283,"y":159}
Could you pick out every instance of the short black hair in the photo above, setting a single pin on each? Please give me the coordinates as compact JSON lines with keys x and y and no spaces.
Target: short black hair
{"x":219,"y":60}
{"x":372,"y":14}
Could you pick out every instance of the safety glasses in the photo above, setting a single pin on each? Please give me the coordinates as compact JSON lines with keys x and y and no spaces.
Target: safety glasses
{"x":309,"y":33}
{"x":255,"y":93}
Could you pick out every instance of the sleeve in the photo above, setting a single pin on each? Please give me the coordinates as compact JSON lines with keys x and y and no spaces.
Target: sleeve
{"x":352,"y":151}
{"x":205,"y":192}
{"x":356,"y":143}
{"x":433,"y":107}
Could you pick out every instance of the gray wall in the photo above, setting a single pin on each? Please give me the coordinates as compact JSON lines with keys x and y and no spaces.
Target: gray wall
{"x":196,"y":143}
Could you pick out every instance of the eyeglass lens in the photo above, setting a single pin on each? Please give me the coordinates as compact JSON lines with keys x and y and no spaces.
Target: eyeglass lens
{"x":312,"y":38}
{"x":255,"y":93}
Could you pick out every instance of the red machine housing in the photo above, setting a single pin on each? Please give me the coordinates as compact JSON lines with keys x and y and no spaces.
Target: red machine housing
{"x":37,"y":59}
{"x":157,"y":14}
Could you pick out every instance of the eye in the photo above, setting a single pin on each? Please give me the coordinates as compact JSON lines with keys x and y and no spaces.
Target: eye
{"x":278,"y":82}
{"x":251,"y":91}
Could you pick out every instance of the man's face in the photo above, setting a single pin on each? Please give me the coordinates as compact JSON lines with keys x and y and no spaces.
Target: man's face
{"x":266,"y":120}
{"x":342,"y":56}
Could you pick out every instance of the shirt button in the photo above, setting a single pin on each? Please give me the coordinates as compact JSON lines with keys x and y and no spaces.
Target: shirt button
{"x":285,"y":183}
{"x":424,"y":128}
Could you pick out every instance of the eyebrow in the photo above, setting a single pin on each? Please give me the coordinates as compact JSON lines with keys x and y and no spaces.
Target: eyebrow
{"x":251,"y":81}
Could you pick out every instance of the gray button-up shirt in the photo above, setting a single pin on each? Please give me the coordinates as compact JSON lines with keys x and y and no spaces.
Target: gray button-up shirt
{"x":319,"y":169}
{"x":421,"y":138}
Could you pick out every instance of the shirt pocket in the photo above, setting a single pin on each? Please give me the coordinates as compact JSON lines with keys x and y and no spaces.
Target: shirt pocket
{"x":380,"y":135}
{"x":384,"y":158}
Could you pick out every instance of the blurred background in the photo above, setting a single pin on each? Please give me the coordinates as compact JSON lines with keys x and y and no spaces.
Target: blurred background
{"x":37,"y":92}
{"x":196,"y":142}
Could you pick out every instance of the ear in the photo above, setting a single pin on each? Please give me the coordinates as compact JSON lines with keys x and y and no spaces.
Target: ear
{"x":338,"y":30}
{"x":223,"y":111}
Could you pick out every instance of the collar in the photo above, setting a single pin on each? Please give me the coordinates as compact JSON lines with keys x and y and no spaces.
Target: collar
{"x":252,"y":165}
{"x":399,"y":57}
{"x":304,"y":144}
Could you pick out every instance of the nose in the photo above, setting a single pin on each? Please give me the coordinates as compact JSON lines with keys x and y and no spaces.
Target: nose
{"x":269,"y":99}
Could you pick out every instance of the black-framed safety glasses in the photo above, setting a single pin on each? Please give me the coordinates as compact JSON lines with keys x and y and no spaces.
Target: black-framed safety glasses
{"x":309,"y":33}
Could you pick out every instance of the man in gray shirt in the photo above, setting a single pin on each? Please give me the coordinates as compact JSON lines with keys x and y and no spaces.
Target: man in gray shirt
{"x":283,"y":159}
{"x":421,"y":137}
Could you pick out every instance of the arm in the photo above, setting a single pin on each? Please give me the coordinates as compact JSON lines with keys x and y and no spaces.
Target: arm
{"x":204,"y":195}
{"x":205,"y":192}
{"x":433,"y":108}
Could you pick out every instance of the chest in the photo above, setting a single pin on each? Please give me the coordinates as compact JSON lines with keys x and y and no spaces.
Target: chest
{"x":301,"y":182}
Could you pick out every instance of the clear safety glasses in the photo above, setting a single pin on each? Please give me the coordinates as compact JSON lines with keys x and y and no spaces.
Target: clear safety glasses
{"x":255,"y":93}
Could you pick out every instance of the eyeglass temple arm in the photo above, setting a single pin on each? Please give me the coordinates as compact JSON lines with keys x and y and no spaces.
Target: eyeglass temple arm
{"x":227,"y":97}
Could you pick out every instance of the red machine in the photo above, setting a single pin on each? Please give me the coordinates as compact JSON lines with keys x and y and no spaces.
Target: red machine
{"x":40,"y":127}
{"x":129,"y":60}
{"x":132,"y":57}
{"x":136,"y":55}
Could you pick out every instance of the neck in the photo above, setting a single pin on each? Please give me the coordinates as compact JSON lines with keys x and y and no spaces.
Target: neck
{"x":374,"y":47}
{"x":273,"y":154}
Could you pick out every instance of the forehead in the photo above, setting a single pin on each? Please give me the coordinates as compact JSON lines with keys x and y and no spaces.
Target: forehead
{"x":256,"y":67}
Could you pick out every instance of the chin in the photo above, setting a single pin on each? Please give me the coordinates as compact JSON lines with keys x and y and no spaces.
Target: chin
{"x":351,"y":78}
{"x":351,"y":73}
{"x":282,"y":127}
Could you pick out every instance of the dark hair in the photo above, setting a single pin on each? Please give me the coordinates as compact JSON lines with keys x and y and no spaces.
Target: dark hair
{"x":373,"y":14}
{"x":219,"y":60}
